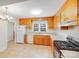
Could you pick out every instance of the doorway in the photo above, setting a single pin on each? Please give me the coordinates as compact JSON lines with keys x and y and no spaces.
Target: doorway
{"x":10,"y":31}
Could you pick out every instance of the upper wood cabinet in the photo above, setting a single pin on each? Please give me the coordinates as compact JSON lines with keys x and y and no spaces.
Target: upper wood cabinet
{"x":28,"y":21}
{"x":67,"y":27}
{"x":22,"y":21}
{"x":51,"y":23}
{"x":68,"y":12}
{"x":78,"y":11}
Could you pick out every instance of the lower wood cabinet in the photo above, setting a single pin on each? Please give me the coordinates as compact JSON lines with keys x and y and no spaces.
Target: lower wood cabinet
{"x":25,"y":39}
{"x":42,"y":40}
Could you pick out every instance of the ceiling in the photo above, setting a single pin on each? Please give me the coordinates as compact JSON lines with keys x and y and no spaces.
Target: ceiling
{"x":7,"y":2}
{"x":22,"y":8}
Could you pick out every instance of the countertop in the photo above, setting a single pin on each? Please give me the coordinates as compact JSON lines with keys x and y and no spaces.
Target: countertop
{"x":56,"y":36}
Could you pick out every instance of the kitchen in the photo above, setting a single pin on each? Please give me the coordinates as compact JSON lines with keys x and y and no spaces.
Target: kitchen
{"x":47,"y":23}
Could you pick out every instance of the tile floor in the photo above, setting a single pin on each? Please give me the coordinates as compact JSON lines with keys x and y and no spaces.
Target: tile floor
{"x":26,"y":51}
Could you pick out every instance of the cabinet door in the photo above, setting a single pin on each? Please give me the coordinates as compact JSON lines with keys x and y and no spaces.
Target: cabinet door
{"x":38,"y":39}
{"x":25,"y":39}
{"x":46,"y":40}
{"x":42,"y":40}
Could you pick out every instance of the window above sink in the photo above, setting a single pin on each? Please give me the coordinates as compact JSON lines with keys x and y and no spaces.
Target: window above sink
{"x":40,"y":26}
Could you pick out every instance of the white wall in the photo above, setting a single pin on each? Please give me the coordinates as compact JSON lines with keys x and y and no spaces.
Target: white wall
{"x":62,"y":34}
{"x":10,"y":31}
{"x":3,"y":35}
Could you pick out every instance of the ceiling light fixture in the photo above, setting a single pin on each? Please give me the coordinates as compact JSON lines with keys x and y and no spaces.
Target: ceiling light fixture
{"x":1,"y":17}
{"x":36,"y":12}
{"x":7,"y":16}
{"x":10,"y":18}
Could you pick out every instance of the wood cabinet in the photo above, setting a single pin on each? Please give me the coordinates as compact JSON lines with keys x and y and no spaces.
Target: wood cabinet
{"x":25,"y":39}
{"x":28,"y":21}
{"x":78,"y":11}
{"x":42,"y":40}
{"x":64,"y":27}
{"x":67,"y":27}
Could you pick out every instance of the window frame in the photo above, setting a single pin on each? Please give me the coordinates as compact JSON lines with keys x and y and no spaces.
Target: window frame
{"x":40,"y":23}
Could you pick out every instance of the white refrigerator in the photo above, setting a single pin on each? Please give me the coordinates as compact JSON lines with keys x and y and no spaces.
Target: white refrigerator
{"x":20,"y":32}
